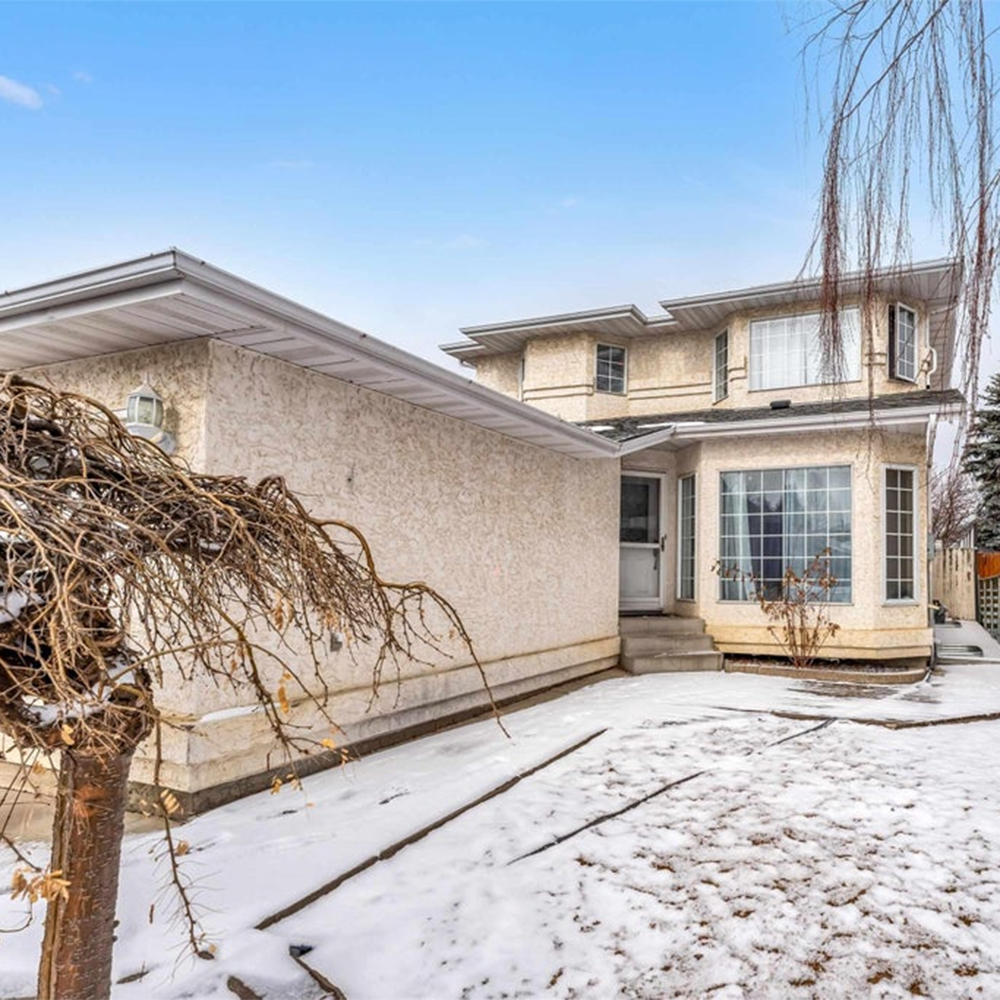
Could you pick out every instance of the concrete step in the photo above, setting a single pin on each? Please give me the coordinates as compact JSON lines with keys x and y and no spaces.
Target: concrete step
{"x":659,"y":625}
{"x":670,"y":663}
{"x":651,"y":644}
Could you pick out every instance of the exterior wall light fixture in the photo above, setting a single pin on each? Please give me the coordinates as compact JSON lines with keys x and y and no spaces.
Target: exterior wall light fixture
{"x":144,"y":417}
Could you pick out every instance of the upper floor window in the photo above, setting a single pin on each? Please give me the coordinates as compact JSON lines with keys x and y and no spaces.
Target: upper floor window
{"x":720,"y":367}
{"x":787,"y":351}
{"x":610,"y":375}
{"x":902,"y":343}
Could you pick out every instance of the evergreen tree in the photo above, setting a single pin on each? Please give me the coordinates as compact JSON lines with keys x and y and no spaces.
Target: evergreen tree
{"x":982,"y":462}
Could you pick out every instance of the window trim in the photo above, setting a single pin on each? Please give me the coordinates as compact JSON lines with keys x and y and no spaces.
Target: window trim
{"x":614,"y":347}
{"x":717,"y":396}
{"x":915,"y":600}
{"x":893,"y":342}
{"x":693,"y":477}
{"x":800,"y":385}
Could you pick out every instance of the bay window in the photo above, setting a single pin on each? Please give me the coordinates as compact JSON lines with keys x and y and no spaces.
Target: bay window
{"x":900,"y":534}
{"x":772,"y":520}
{"x":686,"y":538}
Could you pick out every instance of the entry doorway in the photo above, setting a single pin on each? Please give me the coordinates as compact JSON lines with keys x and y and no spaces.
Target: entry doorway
{"x":641,"y":543}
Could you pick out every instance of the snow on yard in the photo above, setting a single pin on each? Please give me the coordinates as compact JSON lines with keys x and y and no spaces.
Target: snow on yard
{"x":802,"y":859}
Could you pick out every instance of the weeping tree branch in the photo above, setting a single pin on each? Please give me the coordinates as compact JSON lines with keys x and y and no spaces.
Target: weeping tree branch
{"x":119,"y":566}
{"x":910,"y":110}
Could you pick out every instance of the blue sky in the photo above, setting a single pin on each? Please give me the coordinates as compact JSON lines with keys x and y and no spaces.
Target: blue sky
{"x":411,"y":168}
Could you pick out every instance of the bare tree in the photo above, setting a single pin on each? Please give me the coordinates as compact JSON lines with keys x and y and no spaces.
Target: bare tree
{"x":954,"y":504}
{"x":119,"y":566}
{"x":910,"y":113}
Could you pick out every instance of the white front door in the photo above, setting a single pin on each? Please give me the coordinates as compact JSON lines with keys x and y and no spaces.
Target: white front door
{"x":640,"y":579}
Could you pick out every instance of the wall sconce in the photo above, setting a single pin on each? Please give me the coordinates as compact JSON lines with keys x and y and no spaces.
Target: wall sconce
{"x":144,"y":417}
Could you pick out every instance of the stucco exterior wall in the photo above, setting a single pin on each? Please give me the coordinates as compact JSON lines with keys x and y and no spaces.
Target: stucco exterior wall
{"x":501,"y":372}
{"x":178,"y":372}
{"x":871,"y":627}
{"x":559,"y":375}
{"x":521,"y":540}
{"x":671,"y":372}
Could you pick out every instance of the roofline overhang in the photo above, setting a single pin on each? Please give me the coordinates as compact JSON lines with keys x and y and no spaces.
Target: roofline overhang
{"x":495,"y":338}
{"x":859,"y":420}
{"x":629,"y":311}
{"x":812,"y":284}
{"x":173,"y":271}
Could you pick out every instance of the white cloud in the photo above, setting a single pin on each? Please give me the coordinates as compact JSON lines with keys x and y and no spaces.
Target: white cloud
{"x":82,"y":77}
{"x":53,"y":89}
{"x":19,"y":93}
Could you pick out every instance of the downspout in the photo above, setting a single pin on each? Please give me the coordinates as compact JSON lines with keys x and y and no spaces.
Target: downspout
{"x":931,"y":542}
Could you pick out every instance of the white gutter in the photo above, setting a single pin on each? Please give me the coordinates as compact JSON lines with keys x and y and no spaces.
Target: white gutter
{"x":174,"y":272}
{"x":320,"y":329}
{"x":844,"y":421}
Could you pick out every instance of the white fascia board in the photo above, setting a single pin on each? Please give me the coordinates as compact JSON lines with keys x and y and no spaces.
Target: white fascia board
{"x":97,"y":282}
{"x":70,"y":307}
{"x":943,"y":264}
{"x":558,"y":319}
{"x":817,"y":422}
{"x":173,"y":271}
{"x":220,"y":287}
{"x":647,"y":440}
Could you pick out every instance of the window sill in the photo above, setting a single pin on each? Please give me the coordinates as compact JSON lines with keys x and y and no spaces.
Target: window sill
{"x":808,"y":385}
{"x":751,"y":603}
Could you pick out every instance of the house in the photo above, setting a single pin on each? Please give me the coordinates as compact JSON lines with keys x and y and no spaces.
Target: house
{"x":744,"y":449}
{"x":599,"y":462}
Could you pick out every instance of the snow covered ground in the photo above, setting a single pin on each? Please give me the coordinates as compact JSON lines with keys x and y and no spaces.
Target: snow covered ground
{"x":803,"y":859}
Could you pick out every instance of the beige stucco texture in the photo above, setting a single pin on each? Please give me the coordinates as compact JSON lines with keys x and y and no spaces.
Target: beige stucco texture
{"x":870,"y":626}
{"x":671,"y":371}
{"x":504,"y":530}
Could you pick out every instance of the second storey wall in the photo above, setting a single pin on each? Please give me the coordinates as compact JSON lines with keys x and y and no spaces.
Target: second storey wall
{"x":672,"y":371}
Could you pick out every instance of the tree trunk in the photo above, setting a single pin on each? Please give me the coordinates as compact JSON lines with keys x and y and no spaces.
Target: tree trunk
{"x":86,"y":847}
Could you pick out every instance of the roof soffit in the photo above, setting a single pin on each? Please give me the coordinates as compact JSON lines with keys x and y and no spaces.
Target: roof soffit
{"x":169,"y":297}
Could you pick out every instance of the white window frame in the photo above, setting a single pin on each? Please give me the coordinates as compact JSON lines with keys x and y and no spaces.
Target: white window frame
{"x":763,"y":379}
{"x":894,"y":352}
{"x":693,"y":478}
{"x":522,"y":367}
{"x":917,"y":549}
{"x":624,"y":364}
{"x":747,"y":598}
{"x":717,"y":369}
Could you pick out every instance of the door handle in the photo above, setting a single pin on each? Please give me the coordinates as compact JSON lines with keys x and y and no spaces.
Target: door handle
{"x":663,"y":543}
